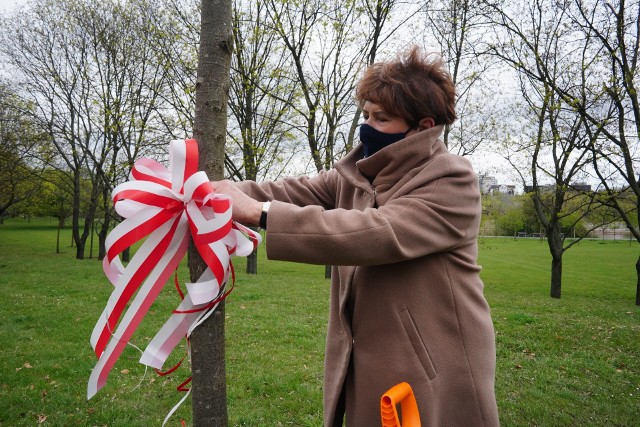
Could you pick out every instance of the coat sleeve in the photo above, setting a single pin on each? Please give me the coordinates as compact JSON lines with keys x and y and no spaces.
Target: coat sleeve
{"x":298,"y":191}
{"x":440,"y":212}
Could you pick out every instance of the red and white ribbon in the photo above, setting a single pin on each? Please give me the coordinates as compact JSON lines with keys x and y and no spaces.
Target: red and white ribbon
{"x":165,"y":207}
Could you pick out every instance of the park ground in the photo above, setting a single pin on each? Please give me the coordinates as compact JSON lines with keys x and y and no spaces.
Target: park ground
{"x":560,"y":362}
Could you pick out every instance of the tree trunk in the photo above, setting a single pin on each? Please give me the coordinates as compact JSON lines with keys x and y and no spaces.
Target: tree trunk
{"x":58,"y":236}
{"x":556,"y":276}
{"x":209,"y":397}
{"x":638,"y":282}
{"x":80,"y":248}
{"x":102,"y":238}
{"x":252,"y":262}
{"x":93,"y":230}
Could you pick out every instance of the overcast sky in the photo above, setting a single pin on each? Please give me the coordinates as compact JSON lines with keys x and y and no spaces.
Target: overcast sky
{"x":490,"y":163}
{"x":10,"y":4}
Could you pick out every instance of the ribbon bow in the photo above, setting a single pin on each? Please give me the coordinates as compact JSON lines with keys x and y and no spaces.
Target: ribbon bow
{"x":162,"y":206}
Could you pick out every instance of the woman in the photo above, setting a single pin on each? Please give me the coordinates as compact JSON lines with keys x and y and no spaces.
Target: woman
{"x":398,"y":217}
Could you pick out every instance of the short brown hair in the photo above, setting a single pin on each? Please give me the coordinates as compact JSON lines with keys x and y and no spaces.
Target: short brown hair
{"x":413,"y":86}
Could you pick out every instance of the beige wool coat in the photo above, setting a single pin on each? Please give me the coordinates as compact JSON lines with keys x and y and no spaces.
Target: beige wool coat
{"x":400,"y":228}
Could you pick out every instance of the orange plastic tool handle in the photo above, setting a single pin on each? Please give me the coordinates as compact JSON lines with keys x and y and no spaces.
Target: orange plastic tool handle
{"x":399,"y":394}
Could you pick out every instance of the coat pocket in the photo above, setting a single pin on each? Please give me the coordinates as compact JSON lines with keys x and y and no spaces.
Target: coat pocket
{"x":418,"y":346}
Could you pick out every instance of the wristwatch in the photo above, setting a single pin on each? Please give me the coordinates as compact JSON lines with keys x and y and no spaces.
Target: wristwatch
{"x":263,"y":215}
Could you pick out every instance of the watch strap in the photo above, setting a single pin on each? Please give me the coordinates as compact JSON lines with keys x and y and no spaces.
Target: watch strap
{"x":263,"y":215}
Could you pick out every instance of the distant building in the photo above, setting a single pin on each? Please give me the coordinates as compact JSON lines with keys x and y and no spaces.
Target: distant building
{"x":581,"y":187}
{"x":490,"y":185}
{"x":508,"y":189}
{"x":486,"y":182}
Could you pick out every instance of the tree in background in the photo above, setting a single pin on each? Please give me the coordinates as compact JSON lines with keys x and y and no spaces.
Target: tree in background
{"x":608,"y":101}
{"x":261,"y":127}
{"x":129,"y":79}
{"x":458,"y":28}
{"x":600,"y":86}
{"x":177,"y":38}
{"x":53,"y":60}
{"x":532,"y":38}
{"x":20,"y":144}
{"x":323,"y":40}
{"x":92,"y":73}
{"x":55,"y":199}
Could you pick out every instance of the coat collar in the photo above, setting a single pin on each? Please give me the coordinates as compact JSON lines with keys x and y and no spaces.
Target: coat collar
{"x":393,"y":161}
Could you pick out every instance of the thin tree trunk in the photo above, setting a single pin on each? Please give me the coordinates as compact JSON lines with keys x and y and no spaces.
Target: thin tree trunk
{"x":252,"y":262}
{"x":638,"y":282}
{"x":102,"y":238}
{"x":93,"y":230}
{"x":58,"y":236}
{"x":209,"y":398}
{"x":556,"y":276}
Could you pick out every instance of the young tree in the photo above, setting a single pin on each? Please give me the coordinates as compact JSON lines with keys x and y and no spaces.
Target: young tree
{"x":209,"y":129}
{"x":611,"y":111}
{"x":55,"y":199}
{"x":260,"y":130}
{"x":603,"y":93}
{"x":536,"y":37}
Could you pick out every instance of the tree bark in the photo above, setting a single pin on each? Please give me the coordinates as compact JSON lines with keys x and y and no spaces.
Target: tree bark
{"x":556,"y":276}
{"x":252,"y":262}
{"x":327,"y":272}
{"x":209,"y":396}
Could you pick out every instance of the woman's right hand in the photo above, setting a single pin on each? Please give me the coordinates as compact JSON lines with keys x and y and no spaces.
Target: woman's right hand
{"x":245,"y":210}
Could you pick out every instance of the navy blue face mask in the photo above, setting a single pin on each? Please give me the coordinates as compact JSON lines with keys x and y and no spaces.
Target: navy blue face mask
{"x":374,"y":140}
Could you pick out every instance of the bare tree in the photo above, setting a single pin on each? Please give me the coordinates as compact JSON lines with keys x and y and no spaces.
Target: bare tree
{"x":44,"y":45}
{"x":260,"y":127}
{"x":260,"y":131}
{"x":321,"y":40}
{"x":537,"y":44}
{"x":89,"y":69}
{"x":560,"y":155}
{"x":458,"y":26}
{"x":612,"y":111}
{"x":600,"y":81}
{"x":128,"y":80}
{"x":177,"y":46}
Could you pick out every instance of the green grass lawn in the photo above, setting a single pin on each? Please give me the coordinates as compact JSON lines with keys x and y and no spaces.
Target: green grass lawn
{"x":568,"y":362}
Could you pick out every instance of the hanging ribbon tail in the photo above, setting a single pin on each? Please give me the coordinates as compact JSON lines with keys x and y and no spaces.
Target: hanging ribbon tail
{"x":137,"y":310}
{"x":142,"y":263}
{"x":163,"y":208}
{"x":179,"y":324}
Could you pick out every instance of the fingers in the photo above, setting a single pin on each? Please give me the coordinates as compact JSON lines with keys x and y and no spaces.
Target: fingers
{"x":245,"y":209}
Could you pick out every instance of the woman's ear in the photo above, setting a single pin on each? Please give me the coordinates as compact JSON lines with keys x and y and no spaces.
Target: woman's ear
{"x":426,"y":123}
